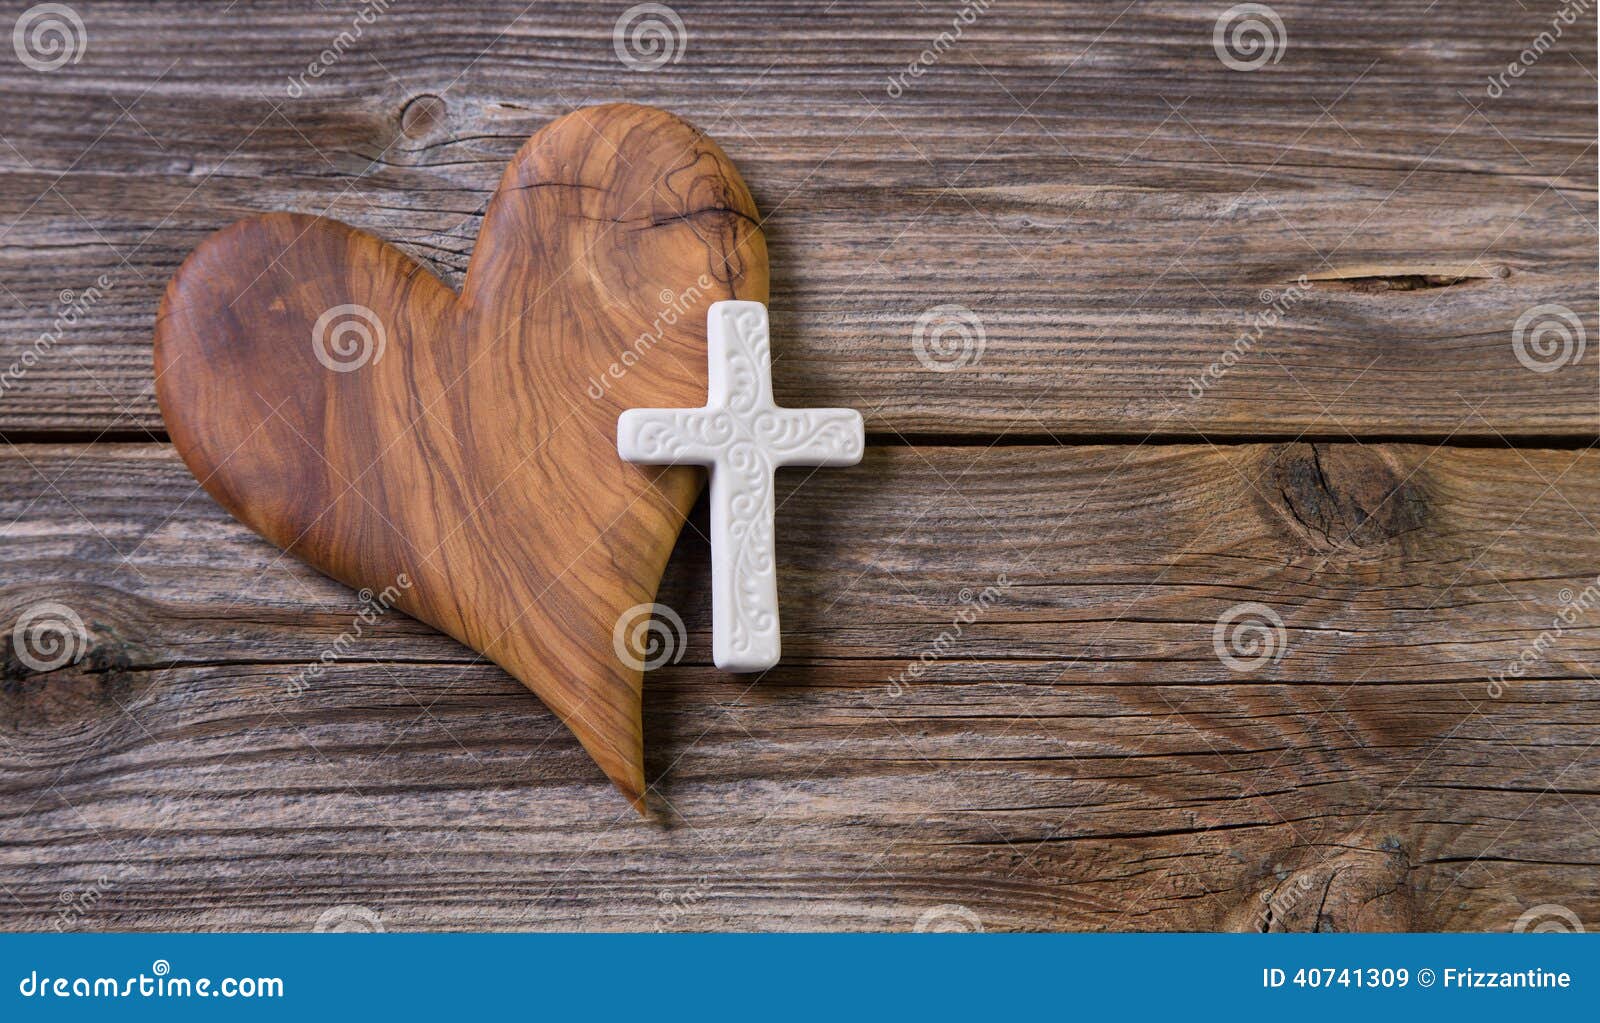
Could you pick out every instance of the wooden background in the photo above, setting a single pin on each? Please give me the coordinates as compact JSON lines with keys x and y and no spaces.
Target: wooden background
{"x":1111,"y":201}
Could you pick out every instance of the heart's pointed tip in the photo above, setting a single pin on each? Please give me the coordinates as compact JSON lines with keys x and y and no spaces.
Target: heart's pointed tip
{"x":639,"y":805}
{"x":631,"y":785}
{"x":619,"y":756}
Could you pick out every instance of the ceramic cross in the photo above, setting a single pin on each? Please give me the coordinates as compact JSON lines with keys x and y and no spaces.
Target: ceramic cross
{"x":743,"y":437}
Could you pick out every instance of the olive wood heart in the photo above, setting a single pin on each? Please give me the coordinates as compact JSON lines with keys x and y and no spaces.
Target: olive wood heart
{"x":459,"y":451}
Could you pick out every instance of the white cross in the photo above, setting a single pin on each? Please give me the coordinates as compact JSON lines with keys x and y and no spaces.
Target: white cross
{"x":743,"y":438}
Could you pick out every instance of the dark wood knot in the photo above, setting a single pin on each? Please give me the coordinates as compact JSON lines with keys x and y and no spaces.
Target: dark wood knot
{"x":65,"y":673}
{"x":422,"y":116}
{"x":1343,"y":497}
{"x":1343,"y":888}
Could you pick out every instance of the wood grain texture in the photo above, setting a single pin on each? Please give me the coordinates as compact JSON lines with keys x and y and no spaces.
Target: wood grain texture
{"x":1087,"y":177}
{"x":1080,"y":759}
{"x":448,"y":454}
{"x":1111,"y":200}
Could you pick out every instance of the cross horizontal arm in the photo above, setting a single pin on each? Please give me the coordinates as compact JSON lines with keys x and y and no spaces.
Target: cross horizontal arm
{"x":674,"y":436}
{"x":812,"y":436}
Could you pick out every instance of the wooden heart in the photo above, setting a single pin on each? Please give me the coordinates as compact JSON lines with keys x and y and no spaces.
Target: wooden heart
{"x":458,"y":452}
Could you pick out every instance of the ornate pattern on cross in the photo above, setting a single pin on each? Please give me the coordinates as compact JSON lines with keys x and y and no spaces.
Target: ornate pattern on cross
{"x":743,"y":437}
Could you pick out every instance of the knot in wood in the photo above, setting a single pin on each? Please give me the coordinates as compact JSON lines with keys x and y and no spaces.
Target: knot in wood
{"x":1341,"y":888}
{"x":64,"y":676}
{"x":1342,"y":497}
{"x":422,"y":116}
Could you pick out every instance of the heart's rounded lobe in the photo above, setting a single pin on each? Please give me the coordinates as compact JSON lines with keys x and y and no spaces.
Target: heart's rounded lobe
{"x":459,"y":452}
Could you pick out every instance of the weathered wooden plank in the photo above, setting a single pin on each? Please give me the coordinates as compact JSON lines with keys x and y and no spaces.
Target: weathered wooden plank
{"x":1075,"y":756}
{"x":1402,"y":562}
{"x":215,"y":803}
{"x":1106,"y":196}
